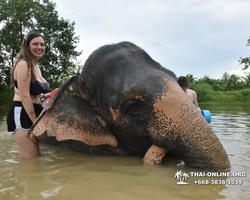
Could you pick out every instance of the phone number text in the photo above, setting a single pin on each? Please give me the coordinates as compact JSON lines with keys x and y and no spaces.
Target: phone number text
{"x":218,"y":182}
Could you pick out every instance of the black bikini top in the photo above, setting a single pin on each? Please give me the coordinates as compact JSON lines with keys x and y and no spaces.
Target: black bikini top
{"x":37,"y":87}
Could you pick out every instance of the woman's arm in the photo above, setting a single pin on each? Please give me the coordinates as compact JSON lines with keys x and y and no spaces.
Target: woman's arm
{"x":23,"y":76}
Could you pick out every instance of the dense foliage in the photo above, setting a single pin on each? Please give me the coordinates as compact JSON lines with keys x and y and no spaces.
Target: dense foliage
{"x":228,"y":89}
{"x":17,"y":18}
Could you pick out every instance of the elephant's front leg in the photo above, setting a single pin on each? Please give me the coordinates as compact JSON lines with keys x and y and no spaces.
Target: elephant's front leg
{"x":154,"y":155}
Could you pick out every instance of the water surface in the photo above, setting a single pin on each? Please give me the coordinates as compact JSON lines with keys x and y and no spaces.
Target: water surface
{"x":65,"y":175}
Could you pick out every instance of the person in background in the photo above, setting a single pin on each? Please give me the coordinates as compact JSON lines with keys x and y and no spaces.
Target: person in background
{"x":184,"y":84}
{"x":29,"y":87}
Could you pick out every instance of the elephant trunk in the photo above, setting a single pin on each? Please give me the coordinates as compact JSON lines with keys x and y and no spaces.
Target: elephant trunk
{"x":199,"y":147}
{"x":179,"y":126}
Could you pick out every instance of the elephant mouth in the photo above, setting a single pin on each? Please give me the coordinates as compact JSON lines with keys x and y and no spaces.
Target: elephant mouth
{"x":154,"y":155}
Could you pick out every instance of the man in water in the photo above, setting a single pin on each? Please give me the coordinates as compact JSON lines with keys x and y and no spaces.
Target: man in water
{"x":184,"y":84}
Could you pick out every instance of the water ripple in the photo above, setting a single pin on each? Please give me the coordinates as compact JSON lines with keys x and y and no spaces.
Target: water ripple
{"x":62,"y":174}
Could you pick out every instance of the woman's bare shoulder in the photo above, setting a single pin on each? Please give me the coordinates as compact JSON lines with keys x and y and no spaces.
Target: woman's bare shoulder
{"x":21,"y":65}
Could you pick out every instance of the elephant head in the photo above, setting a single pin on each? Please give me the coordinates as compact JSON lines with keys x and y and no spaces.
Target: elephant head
{"x":125,"y":103}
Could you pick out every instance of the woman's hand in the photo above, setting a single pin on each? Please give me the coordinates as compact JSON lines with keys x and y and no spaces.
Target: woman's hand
{"x":48,"y":96}
{"x":45,"y":95}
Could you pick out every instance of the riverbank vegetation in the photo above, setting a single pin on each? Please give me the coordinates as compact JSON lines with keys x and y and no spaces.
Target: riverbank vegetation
{"x":228,"y":89}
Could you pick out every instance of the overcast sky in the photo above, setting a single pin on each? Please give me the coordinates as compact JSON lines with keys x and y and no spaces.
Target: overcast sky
{"x":198,"y":37}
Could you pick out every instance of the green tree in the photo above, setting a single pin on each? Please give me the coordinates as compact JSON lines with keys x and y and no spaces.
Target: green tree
{"x":215,"y":83}
{"x":59,"y":63}
{"x":245,"y":61}
{"x":247,"y":80}
{"x":232,"y":82}
{"x":191,"y":79}
{"x":17,"y":18}
{"x":235,"y":83}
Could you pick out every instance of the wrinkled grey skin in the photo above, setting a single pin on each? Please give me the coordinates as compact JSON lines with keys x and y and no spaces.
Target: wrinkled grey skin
{"x":126,"y":104}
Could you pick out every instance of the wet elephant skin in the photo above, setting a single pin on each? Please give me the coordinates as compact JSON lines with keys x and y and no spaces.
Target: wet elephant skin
{"x":125,"y":103}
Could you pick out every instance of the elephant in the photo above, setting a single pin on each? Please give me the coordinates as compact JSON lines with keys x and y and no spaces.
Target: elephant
{"x":124,"y":103}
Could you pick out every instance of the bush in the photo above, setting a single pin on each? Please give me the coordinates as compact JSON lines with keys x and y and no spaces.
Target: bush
{"x":205,"y":92}
{"x":243,"y":95}
{"x":6,"y":96}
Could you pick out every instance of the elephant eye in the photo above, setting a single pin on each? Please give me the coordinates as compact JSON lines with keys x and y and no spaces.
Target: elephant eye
{"x":135,"y":108}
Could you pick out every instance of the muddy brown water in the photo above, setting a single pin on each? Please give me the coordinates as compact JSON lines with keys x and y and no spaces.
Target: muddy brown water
{"x":65,"y":175}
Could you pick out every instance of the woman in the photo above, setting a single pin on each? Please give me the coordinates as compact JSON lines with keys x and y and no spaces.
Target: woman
{"x":29,"y":87}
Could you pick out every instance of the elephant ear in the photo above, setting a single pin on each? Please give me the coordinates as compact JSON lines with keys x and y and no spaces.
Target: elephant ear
{"x":69,"y":116}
